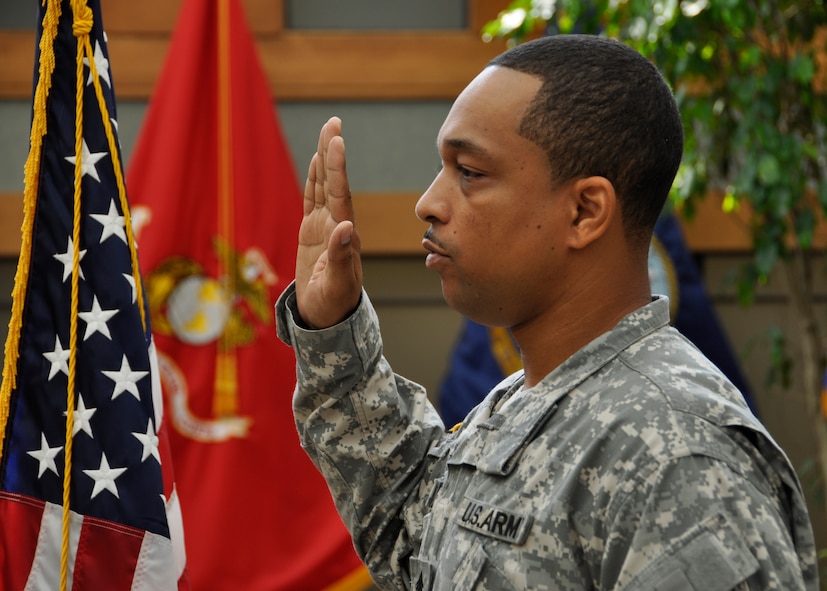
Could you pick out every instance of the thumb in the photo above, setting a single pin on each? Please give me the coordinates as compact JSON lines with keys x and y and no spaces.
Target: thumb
{"x":343,"y":272}
{"x":345,"y":230}
{"x":343,"y":260}
{"x":340,"y":245}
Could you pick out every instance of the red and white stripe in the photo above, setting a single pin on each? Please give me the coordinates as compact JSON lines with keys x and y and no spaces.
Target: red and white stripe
{"x":173,"y":508}
{"x":102,"y":554}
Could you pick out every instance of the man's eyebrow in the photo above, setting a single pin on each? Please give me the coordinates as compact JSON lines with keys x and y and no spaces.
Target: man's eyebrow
{"x":464,"y":145}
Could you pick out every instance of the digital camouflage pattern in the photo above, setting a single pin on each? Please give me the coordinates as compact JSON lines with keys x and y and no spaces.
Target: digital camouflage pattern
{"x":634,"y":465}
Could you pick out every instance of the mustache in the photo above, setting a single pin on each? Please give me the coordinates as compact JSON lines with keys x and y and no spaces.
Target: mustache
{"x":429,"y":235}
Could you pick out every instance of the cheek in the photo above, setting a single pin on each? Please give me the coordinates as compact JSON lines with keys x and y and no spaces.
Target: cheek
{"x":497,"y":227}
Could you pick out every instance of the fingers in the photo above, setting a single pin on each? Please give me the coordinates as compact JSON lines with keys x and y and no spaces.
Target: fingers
{"x":344,"y":274}
{"x":344,"y":241}
{"x":310,"y":187}
{"x":318,"y":167}
{"x":327,"y":184}
{"x":337,"y":187}
{"x":331,"y":129}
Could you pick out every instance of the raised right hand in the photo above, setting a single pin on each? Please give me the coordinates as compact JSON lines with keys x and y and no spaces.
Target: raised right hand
{"x":328,"y":262}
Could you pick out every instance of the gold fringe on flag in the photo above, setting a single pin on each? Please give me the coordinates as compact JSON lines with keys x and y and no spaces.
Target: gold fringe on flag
{"x":32,"y":172}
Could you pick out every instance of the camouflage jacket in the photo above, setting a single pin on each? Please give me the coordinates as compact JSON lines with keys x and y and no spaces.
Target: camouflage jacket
{"x":633,"y":465}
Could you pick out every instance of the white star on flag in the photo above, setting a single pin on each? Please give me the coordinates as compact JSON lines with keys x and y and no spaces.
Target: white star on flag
{"x":101,"y":64}
{"x":45,"y":456}
{"x":113,"y":223}
{"x":96,"y":320}
{"x":88,"y":160}
{"x":114,"y":123}
{"x":81,"y":418}
{"x":125,"y":379}
{"x":150,"y":442}
{"x":131,"y":280}
{"x":67,"y":259}
{"x":104,"y":477}
{"x":58,"y":359}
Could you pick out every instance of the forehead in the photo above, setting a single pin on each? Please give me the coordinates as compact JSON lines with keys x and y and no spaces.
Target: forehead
{"x":489,"y":110}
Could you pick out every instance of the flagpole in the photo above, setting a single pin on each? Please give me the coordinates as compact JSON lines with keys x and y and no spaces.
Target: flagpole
{"x":225,"y":402}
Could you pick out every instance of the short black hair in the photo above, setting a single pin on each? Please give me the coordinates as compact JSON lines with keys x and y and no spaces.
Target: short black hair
{"x":603,"y":110}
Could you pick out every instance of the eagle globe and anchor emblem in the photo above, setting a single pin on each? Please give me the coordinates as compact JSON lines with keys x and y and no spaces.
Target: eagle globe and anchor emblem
{"x":199,"y":310}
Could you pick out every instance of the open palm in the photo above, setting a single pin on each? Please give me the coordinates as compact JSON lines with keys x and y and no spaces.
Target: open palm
{"x":328,"y":263}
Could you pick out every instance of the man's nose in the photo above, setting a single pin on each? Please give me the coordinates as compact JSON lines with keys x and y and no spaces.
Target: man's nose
{"x":432,"y":206}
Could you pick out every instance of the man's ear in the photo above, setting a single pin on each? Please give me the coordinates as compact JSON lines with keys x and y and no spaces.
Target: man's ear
{"x":596,"y":206}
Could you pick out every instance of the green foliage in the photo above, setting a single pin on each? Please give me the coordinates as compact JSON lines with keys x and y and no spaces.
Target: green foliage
{"x":746,"y":79}
{"x":811,"y":479}
{"x":780,"y":362}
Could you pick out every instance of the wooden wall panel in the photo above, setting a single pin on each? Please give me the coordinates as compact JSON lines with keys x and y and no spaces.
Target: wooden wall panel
{"x":17,"y":51}
{"x":383,"y":66}
{"x":300,"y":65}
{"x":388,"y":226}
{"x":11,"y":219}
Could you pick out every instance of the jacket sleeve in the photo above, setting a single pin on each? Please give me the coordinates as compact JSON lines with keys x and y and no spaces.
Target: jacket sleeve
{"x":367,"y":430}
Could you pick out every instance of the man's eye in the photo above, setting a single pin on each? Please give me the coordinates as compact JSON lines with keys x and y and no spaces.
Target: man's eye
{"x":468,"y":173}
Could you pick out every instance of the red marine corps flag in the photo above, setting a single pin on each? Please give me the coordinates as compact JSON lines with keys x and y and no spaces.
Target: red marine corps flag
{"x":87,"y":500}
{"x":219,"y":206}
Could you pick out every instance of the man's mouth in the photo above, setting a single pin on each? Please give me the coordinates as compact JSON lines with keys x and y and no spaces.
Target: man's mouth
{"x":436,"y":252}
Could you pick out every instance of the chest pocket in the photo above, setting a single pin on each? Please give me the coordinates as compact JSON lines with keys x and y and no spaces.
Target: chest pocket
{"x":475,"y":571}
{"x":496,"y":445}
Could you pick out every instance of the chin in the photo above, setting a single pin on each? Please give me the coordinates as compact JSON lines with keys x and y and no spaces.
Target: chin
{"x":453,"y":302}
{"x":471,"y":310}
{"x":467,"y":299}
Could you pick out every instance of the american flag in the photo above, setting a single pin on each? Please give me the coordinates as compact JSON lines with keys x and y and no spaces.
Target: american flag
{"x":123,"y":525}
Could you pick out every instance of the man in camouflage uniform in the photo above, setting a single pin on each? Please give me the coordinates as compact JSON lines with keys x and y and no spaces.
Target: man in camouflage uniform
{"x":620,"y":458}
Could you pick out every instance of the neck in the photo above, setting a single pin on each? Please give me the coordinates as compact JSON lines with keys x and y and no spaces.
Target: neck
{"x":547,"y":341}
